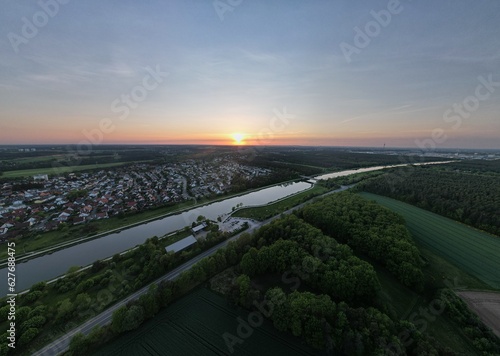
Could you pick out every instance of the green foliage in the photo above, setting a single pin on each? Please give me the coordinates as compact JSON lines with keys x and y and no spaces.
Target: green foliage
{"x":297,"y":248}
{"x":367,"y":227}
{"x":83,"y":301}
{"x":23,"y":313}
{"x":133,"y":318}
{"x":85,"y":285}
{"x":482,"y":337}
{"x":65,"y":310}
{"x":473,"y":199}
{"x":118,"y":319}
{"x":450,"y":240}
{"x":79,"y":344}
{"x":75,"y":194}
{"x":32,"y":296}
{"x":40,"y":286}
{"x":28,"y":335}
{"x":243,"y":284}
{"x":34,"y":322}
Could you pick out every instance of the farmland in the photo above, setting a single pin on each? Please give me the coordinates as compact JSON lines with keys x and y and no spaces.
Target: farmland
{"x":194,"y":325}
{"x":474,"y":251}
{"x":58,"y":170}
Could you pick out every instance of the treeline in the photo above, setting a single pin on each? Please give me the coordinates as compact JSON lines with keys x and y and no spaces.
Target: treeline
{"x":334,"y":158}
{"x":370,"y":229}
{"x":476,"y":166}
{"x":473,"y":199}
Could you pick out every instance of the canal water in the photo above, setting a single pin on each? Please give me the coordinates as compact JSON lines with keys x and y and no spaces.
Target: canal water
{"x":50,"y":266}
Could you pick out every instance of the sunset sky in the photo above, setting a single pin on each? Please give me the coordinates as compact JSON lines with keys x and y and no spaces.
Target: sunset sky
{"x":257,"y":72}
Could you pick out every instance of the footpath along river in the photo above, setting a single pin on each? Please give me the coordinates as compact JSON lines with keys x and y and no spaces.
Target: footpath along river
{"x":53,"y":265}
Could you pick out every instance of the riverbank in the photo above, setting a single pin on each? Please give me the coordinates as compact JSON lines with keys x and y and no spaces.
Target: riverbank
{"x":51,"y":243}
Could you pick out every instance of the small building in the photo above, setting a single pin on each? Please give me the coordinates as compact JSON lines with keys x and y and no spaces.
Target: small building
{"x":199,"y":228}
{"x":181,"y":244}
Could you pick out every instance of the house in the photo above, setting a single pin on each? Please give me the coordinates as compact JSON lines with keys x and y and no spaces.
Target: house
{"x":100,"y":216}
{"x":79,"y":220}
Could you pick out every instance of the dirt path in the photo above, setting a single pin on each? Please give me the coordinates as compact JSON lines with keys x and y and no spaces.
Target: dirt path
{"x":486,"y":305}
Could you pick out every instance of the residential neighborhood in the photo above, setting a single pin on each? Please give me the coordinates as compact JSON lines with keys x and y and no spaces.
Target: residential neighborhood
{"x":42,"y":202}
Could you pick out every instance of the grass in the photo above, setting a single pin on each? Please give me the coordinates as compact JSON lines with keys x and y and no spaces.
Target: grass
{"x":195,"y":325}
{"x":471,"y":250}
{"x":263,"y":212}
{"x":59,"y":170}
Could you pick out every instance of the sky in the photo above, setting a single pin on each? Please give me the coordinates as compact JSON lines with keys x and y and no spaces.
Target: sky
{"x":284,"y":72}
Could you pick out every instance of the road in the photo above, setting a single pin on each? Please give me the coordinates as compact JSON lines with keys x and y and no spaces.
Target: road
{"x":62,"y":344}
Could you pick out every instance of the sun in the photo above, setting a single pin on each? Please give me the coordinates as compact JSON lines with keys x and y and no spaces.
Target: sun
{"x":238,"y":138}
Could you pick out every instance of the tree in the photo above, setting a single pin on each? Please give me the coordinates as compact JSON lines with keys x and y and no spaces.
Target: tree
{"x":149,"y":303}
{"x":38,"y":286}
{"x":248,"y":262}
{"x":133,"y":318}
{"x":278,"y":300}
{"x":28,"y":335}
{"x":118,"y":320}
{"x":79,"y":344}
{"x":85,"y":285}
{"x":82,"y":301}
{"x":243,"y":283}
{"x":65,"y":310}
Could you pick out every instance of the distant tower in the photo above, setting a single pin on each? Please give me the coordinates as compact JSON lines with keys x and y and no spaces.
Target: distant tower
{"x":384,"y":146}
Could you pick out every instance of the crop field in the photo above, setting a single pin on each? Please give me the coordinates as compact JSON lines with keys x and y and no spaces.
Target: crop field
{"x":58,"y":170}
{"x":472,"y":250}
{"x":195,"y":325}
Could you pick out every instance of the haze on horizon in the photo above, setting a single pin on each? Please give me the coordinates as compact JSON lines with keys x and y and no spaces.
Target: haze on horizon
{"x":251,"y":72}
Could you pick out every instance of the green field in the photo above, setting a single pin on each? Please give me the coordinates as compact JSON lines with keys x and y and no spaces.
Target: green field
{"x":195,"y":325}
{"x":473,"y":251}
{"x":58,"y":170}
{"x":264,"y":212}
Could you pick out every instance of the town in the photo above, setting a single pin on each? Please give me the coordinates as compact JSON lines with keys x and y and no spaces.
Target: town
{"x":43,"y":203}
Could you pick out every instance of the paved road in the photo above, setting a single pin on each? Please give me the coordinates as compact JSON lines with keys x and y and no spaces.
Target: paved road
{"x":62,"y":344}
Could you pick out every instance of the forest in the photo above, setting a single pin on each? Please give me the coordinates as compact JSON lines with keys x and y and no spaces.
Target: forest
{"x":371,"y":230}
{"x":471,"y":198}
